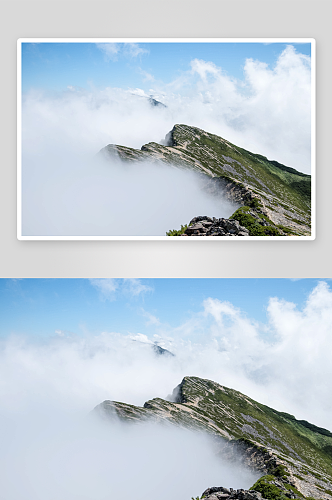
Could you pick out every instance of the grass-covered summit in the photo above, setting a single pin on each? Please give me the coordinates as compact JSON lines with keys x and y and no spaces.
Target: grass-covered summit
{"x":296,"y":452}
{"x":283,"y":193}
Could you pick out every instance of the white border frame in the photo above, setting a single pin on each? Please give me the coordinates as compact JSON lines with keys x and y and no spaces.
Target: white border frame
{"x":312,"y":41}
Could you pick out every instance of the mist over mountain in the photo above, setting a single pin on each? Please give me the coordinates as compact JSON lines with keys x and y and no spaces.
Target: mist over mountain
{"x":292,"y":456}
{"x":273,"y":199}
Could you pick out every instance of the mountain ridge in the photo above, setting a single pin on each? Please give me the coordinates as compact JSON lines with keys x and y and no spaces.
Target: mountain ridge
{"x":296,"y":455}
{"x":283,"y":194}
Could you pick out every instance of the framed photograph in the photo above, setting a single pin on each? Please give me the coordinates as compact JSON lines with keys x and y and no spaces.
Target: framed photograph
{"x":166,"y":139}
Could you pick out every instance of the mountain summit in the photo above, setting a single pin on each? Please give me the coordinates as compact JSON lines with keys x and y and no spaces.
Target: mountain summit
{"x":293,"y":456}
{"x":274,"y":199}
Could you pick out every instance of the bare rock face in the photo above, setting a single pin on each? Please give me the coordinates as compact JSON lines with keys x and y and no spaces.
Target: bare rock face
{"x":220,"y":493}
{"x":205,"y":226}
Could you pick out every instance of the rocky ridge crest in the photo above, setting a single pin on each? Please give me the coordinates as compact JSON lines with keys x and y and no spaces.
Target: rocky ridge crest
{"x":282,"y":193}
{"x":293,"y":456}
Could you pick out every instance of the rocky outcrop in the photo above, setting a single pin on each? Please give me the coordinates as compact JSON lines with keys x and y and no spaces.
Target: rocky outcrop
{"x":161,"y":351}
{"x":221,"y":493}
{"x":205,"y":226}
{"x":272,"y":487}
{"x":232,"y":190}
{"x":154,"y":103}
{"x":286,"y":478}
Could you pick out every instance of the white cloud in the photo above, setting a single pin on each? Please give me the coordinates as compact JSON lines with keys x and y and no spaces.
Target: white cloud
{"x":102,"y":199}
{"x":110,"y":50}
{"x":204,"y":68}
{"x":134,"y":50}
{"x":280,"y":99}
{"x":147,"y":77}
{"x":151,"y":319}
{"x":217,"y":309}
{"x":108,"y":287}
{"x":135,"y":287}
{"x":141,"y":338}
{"x":291,"y":371}
{"x":73,"y":459}
{"x":139,"y":92}
{"x":61,"y":333}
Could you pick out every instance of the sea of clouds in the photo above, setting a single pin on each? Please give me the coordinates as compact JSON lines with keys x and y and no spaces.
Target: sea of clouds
{"x":51,"y":448}
{"x":65,"y":193}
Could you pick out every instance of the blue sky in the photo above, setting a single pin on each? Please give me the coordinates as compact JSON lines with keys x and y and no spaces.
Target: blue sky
{"x":42,"y":307}
{"x":68,"y":344}
{"x":55,"y":66}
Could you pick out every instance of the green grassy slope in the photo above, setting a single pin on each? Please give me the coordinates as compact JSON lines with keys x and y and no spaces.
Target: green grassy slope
{"x":294,"y":455}
{"x":284,"y":194}
{"x":206,"y":405}
{"x":242,"y":417}
{"x":221,"y":156}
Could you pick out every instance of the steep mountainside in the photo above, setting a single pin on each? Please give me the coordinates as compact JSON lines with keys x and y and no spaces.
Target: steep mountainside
{"x":271,"y":194}
{"x":294,"y":455}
